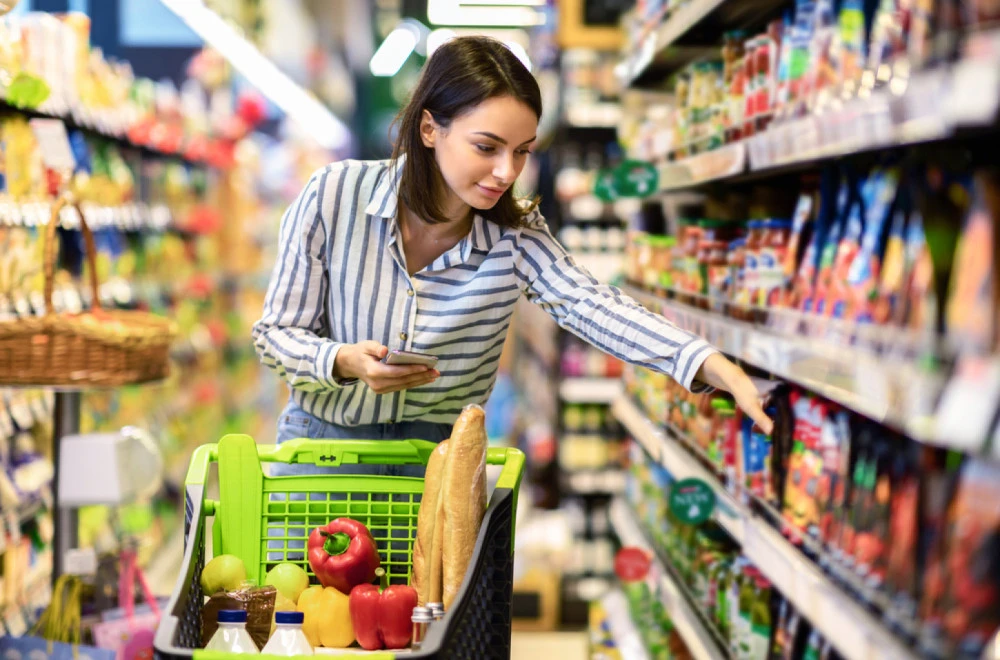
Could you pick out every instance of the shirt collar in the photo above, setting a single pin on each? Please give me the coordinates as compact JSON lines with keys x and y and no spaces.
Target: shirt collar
{"x":384,"y":198}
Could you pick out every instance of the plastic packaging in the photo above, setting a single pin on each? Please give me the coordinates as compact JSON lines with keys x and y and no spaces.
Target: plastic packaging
{"x":288,"y":638}
{"x":232,"y":635}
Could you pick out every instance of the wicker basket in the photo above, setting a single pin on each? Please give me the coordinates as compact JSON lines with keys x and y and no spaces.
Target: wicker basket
{"x":96,"y":348}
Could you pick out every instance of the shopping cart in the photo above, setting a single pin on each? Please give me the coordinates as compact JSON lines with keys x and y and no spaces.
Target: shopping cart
{"x":252,"y":505}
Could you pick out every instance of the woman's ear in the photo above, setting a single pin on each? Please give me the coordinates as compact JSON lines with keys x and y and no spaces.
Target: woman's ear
{"x":428,"y":129}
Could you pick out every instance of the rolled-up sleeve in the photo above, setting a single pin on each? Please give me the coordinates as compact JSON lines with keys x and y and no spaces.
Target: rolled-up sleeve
{"x":600,"y":314}
{"x":292,"y":336}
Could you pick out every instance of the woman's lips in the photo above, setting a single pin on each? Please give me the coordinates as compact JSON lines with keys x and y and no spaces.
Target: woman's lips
{"x":490,"y":192}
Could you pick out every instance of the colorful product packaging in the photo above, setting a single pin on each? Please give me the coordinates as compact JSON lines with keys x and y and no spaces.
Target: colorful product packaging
{"x":863,"y":276}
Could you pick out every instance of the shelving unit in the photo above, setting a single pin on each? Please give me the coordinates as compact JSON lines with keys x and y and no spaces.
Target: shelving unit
{"x":898,"y":381}
{"x":855,"y":632}
{"x":688,"y":34}
{"x":701,"y":641}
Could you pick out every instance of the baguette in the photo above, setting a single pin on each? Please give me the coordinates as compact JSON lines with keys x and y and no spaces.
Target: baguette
{"x":463,"y":498}
{"x":427,"y":520}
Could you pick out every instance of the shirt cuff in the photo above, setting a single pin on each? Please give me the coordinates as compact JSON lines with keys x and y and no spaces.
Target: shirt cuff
{"x":326,"y":357}
{"x":688,"y":361}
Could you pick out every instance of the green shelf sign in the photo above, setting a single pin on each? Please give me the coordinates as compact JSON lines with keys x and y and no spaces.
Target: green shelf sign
{"x":692,"y":501}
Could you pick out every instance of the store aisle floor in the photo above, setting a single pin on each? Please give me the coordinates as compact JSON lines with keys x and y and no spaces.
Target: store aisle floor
{"x":562,"y":645}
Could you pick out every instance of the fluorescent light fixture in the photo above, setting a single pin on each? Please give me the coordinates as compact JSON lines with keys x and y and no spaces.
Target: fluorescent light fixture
{"x":438,"y":38}
{"x":453,"y":12}
{"x":390,"y":56}
{"x":505,"y":3}
{"x":298,"y":104}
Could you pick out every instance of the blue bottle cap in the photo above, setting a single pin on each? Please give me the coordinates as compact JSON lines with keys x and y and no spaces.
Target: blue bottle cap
{"x":232,"y":616}
{"x":289,"y":617}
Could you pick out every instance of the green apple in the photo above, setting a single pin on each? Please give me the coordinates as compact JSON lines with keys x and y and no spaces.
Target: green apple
{"x":223,"y":573}
{"x":289,"y":579}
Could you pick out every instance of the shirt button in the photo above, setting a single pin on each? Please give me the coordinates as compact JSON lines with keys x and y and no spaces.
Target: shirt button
{"x":409,"y":292}
{"x":402,"y":336}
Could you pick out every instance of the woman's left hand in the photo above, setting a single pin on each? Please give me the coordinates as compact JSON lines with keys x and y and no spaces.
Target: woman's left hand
{"x":722,"y":374}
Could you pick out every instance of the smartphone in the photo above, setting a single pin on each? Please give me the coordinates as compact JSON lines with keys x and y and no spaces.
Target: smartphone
{"x":397,"y":356}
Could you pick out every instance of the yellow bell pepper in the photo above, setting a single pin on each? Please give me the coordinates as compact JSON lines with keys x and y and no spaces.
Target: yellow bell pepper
{"x":327,"y":617}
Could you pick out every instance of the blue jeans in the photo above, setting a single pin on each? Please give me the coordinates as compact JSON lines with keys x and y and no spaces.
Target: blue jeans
{"x":294,"y":422}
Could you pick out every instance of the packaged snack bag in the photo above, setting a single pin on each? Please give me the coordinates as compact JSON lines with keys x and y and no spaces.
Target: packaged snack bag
{"x":939,"y":474}
{"x":944,"y":200}
{"x":771,"y":260}
{"x":888,"y":36}
{"x":920,"y":302}
{"x":834,"y":445}
{"x":862,"y":278}
{"x":971,"y":311}
{"x":972,"y":588}
{"x":846,"y":200}
{"x":800,"y":508}
{"x":872,"y":535}
{"x":835,"y":280}
{"x":901,"y":576}
{"x":884,"y":309}
{"x":802,"y":221}
{"x":804,"y":280}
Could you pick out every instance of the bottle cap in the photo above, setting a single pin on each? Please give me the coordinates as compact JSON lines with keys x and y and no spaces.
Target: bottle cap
{"x":232,"y":616}
{"x":289,"y":617}
{"x":421,"y":615}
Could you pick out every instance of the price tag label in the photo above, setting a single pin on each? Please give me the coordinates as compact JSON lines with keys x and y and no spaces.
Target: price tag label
{"x":692,"y":501}
{"x":53,"y":143}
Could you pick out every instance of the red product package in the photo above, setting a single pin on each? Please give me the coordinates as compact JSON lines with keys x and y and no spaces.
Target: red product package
{"x":835,"y":441}
{"x":800,"y":510}
{"x":972,"y":591}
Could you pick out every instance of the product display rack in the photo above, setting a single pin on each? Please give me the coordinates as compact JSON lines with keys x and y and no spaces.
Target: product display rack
{"x":899,"y":379}
{"x":702,"y":641}
{"x":852,"y":629}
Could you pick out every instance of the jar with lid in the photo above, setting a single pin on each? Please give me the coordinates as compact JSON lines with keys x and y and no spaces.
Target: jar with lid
{"x":718,"y":275}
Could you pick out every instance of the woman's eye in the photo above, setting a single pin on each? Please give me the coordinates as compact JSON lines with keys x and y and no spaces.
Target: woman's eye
{"x":524,"y":152}
{"x":485,"y":148}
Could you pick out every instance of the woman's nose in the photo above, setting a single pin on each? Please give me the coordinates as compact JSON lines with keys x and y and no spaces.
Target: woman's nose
{"x":505,"y":171}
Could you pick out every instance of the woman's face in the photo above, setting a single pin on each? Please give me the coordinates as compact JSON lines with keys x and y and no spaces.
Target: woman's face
{"x":482,"y":153}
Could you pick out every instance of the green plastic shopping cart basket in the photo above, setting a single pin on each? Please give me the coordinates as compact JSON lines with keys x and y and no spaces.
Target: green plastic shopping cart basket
{"x":263,"y":520}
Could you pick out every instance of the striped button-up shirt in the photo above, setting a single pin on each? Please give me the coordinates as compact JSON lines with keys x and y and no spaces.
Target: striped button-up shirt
{"x":341,"y":277}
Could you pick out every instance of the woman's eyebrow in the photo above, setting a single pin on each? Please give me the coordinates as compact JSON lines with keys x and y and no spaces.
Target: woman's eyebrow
{"x":499,"y":139}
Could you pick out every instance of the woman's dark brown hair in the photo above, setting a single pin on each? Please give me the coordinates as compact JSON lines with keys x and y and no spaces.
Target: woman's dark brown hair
{"x":460,"y":75}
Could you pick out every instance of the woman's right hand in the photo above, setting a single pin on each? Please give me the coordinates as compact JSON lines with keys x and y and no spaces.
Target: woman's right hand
{"x":364,"y":362}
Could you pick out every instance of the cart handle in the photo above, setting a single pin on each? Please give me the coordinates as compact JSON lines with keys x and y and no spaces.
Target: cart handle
{"x":333,"y":453}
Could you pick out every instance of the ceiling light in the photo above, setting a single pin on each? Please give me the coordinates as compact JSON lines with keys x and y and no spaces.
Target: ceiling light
{"x":438,"y":38}
{"x":298,"y":104}
{"x":452,"y":12}
{"x":391,"y":55}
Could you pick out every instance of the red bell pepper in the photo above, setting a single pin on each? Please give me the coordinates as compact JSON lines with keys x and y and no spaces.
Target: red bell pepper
{"x":381,"y":620}
{"x":343,"y":554}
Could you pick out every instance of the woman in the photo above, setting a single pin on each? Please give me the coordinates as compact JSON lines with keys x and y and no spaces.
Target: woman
{"x":428,"y":252}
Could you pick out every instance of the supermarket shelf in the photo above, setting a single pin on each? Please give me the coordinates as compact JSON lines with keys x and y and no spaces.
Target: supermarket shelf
{"x":595,"y":482}
{"x":98,"y":127}
{"x":589,"y":390}
{"x":715,"y":165}
{"x":700,"y":641}
{"x":623,"y":630}
{"x":690,"y":32}
{"x":127,"y":217}
{"x":890,"y":383}
{"x":663,"y":449}
{"x":928,"y":106}
{"x":850,"y":627}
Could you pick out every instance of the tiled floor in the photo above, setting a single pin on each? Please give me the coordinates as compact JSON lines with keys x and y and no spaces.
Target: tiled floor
{"x":561,"y":645}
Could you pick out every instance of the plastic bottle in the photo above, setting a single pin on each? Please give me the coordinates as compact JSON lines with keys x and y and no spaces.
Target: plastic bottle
{"x":232,"y":635}
{"x":288,"y":638}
